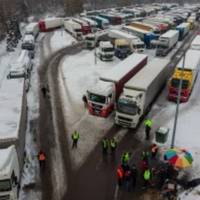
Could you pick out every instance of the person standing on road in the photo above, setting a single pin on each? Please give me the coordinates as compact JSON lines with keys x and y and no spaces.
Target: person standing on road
{"x":84,"y":98}
{"x":75,"y":138}
{"x":125,"y":159}
{"x":42,"y":159}
{"x":105,"y":146}
{"x":154,"y":151}
{"x":147,"y":175}
{"x":44,"y":91}
{"x":113,"y":146}
{"x":120,"y":176}
{"x":148,"y":125}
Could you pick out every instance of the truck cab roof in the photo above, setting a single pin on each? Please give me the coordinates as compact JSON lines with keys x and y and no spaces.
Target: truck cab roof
{"x":6,"y":160}
{"x":102,"y":88}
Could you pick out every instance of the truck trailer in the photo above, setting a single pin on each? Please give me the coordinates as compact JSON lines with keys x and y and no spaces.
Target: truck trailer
{"x":166,"y":42}
{"x":146,"y":27}
{"x":136,"y":44}
{"x":12,"y":136}
{"x":73,"y":28}
{"x":140,"y":91}
{"x":113,"y":20}
{"x":188,"y":76}
{"x":145,"y":36}
{"x":183,"y":29}
{"x":102,"y":23}
{"x":85,"y":27}
{"x":93,"y":24}
{"x":103,"y":96}
{"x":49,"y":24}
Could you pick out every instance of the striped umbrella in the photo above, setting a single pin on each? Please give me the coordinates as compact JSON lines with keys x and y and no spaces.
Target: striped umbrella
{"x":180,"y":158}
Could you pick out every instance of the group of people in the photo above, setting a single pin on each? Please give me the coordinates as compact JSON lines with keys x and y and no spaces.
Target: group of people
{"x":127,"y":173}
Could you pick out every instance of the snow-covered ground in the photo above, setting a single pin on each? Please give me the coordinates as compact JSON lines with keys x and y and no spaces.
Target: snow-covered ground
{"x":61,"y":39}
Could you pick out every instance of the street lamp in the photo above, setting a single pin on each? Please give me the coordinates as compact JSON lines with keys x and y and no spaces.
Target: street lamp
{"x":178,"y":102}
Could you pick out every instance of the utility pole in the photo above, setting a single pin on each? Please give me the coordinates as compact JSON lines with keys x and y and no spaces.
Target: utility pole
{"x":95,"y":49}
{"x":178,"y":102}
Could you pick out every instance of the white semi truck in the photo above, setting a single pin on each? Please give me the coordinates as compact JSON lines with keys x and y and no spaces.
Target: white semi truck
{"x":105,"y":51}
{"x":103,"y":95}
{"x":166,"y":42}
{"x":73,"y":28}
{"x":136,"y":44}
{"x":140,"y":91}
{"x":12,"y":136}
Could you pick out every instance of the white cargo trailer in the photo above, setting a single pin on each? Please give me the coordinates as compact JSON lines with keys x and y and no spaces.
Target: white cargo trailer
{"x":140,"y":91}
{"x":166,"y":42}
{"x":73,"y":28}
{"x":12,"y":136}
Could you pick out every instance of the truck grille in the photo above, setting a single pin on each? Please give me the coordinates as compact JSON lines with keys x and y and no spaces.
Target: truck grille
{"x":124,"y":124}
{"x":5,"y":197}
{"x":124,"y":118}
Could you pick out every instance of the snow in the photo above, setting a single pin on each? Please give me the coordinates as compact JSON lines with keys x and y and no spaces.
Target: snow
{"x":60,"y":39}
{"x":124,"y":67}
{"x":196,"y":43}
{"x":193,"y":63}
{"x":11,"y":96}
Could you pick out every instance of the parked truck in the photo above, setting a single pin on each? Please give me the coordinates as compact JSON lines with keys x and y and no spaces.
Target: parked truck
{"x":163,"y":27}
{"x":145,"y":36}
{"x":21,"y":68}
{"x":73,"y":28}
{"x":183,"y":29}
{"x":188,"y":76}
{"x":140,"y":91}
{"x":12,"y":136}
{"x":49,"y":24}
{"x":166,"y":42}
{"x":105,"y":51}
{"x":113,"y":20}
{"x":122,"y":48}
{"x":85,"y":27}
{"x":102,"y":23}
{"x":146,"y":27}
{"x":93,"y":24}
{"x":32,"y":29}
{"x":136,"y":44}
{"x":103,"y":96}
{"x":28,"y":42}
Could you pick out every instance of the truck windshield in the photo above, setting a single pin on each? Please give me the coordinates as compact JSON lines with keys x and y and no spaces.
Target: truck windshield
{"x":127,"y":107}
{"x":175,"y":83}
{"x":123,"y":47}
{"x":90,"y":38}
{"x":162,"y":46}
{"x":140,"y":46}
{"x":97,"y":98}
{"x":108,"y":49}
{"x":5,"y":185}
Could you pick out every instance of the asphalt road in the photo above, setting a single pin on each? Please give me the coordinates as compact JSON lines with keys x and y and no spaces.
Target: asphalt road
{"x":95,"y":180}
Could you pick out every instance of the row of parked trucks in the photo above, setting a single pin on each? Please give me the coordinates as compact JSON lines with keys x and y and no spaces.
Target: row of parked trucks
{"x":13,"y":98}
{"x":132,"y":85}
